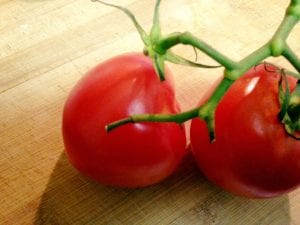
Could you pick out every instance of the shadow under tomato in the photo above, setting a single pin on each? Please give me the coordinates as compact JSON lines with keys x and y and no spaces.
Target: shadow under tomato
{"x":184,"y":198}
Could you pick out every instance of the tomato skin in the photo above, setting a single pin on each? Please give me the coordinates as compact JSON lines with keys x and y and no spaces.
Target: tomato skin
{"x":252,"y":155}
{"x":133,"y":155}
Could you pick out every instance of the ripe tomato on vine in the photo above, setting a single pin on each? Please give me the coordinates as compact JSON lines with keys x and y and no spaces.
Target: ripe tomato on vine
{"x":122,"y":125}
{"x":134,"y":155}
{"x":252,"y":154}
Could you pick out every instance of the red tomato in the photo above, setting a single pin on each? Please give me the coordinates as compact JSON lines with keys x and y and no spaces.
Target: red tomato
{"x":252,"y":155}
{"x":133,"y":155}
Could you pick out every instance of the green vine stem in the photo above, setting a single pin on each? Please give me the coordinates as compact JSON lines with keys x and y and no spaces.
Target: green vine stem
{"x":160,"y":46}
{"x":176,"y":118}
{"x":291,"y":57}
{"x":187,"y":38}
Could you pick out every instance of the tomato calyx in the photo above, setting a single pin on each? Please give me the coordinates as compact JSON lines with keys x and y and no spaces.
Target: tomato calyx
{"x":290,"y":106}
{"x":159,"y":53}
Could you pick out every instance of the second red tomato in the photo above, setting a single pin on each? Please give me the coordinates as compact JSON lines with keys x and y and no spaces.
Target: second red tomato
{"x":252,"y":155}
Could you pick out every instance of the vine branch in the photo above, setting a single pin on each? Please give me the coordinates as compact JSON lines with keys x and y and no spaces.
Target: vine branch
{"x":159,"y":50}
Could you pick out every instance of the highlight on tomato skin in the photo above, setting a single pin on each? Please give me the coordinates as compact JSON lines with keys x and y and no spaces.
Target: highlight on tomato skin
{"x":252,"y":155}
{"x":133,"y":155}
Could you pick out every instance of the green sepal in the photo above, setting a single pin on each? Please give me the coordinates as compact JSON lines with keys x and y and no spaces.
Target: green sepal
{"x":294,"y":112}
{"x":144,"y":36}
{"x":171,"y":57}
{"x":159,"y":65}
{"x":294,"y":107}
{"x":211,"y":129}
{"x":284,"y":95}
{"x":207,"y":114}
{"x":289,"y":113}
{"x":293,"y":74}
{"x":155,"y":32}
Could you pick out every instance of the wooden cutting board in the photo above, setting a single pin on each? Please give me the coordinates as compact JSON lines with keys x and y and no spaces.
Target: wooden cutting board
{"x":47,"y":45}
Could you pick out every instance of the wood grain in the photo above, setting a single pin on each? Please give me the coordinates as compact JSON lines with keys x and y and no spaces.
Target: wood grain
{"x":47,"y":45}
